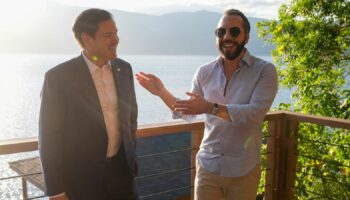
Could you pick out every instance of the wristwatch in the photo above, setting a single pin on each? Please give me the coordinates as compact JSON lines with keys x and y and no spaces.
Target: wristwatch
{"x":215,"y":109}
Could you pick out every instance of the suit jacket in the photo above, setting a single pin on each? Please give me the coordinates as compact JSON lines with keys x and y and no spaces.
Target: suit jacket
{"x":72,"y":133}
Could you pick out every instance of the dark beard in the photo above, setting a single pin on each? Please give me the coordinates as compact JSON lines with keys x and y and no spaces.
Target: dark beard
{"x":231,"y":55}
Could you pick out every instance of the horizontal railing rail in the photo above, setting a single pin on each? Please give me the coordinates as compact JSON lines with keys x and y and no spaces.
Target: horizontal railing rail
{"x":20,"y":145}
{"x":320,"y":120}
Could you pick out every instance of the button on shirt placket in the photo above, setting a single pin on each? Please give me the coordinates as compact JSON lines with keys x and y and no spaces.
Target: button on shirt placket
{"x":222,"y":82}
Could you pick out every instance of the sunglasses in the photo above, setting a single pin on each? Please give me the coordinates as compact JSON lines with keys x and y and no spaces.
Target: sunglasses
{"x":234,"y":31}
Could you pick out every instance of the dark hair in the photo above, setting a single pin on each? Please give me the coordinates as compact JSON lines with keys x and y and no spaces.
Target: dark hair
{"x":239,"y":13}
{"x":88,"y":22}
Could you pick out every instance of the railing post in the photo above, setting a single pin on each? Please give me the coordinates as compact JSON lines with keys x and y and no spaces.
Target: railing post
{"x":288,"y":161}
{"x":281,"y":159}
{"x":24,"y":188}
{"x":272,"y":157}
{"x":197,"y":136}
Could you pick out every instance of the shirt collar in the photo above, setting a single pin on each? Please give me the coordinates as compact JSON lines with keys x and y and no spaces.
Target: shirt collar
{"x":92,"y":66}
{"x":246,"y":59}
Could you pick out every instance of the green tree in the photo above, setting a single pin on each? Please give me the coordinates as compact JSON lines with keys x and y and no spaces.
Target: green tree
{"x":312,"y":40}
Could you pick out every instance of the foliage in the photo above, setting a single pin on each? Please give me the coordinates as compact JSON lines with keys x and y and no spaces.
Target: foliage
{"x":312,"y":40}
{"x":261,"y":188}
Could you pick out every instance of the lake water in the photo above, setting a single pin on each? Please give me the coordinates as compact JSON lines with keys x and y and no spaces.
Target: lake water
{"x":22,"y":77}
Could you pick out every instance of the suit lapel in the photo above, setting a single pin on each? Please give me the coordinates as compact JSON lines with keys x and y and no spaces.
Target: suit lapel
{"x":120,"y":83}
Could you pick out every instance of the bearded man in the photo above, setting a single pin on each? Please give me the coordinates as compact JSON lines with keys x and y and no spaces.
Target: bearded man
{"x":234,"y":92}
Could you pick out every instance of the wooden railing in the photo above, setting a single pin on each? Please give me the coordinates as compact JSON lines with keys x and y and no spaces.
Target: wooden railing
{"x":282,"y":144}
{"x":281,"y":140}
{"x":196,"y":129}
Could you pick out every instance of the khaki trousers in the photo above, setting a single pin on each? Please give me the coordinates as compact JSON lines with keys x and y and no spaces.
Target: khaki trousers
{"x":211,"y":186}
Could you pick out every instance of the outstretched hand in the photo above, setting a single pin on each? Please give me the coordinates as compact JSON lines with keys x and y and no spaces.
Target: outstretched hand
{"x":193,"y":106}
{"x":150,"y":82}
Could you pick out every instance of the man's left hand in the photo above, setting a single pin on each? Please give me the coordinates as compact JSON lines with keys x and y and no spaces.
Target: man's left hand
{"x":193,"y":106}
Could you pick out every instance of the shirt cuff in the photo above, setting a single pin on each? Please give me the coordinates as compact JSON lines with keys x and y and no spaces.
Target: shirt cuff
{"x":179,"y":115}
{"x":234,"y":112}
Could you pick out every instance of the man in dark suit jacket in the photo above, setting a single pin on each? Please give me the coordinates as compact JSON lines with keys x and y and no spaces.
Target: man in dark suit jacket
{"x":88,"y":118}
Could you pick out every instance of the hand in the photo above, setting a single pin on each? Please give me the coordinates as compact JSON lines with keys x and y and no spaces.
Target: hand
{"x":193,"y":106}
{"x":62,"y":196}
{"x":151,"y":83}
